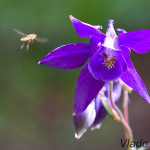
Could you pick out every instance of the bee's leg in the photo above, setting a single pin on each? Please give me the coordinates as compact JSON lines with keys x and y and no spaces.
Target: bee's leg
{"x":28,"y":45}
{"x":22,"y":46}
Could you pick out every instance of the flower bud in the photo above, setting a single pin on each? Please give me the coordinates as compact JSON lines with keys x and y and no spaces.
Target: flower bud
{"x":84,"y":120}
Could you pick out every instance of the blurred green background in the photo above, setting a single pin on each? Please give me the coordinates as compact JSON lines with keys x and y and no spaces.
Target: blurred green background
{"x":36,"y":101}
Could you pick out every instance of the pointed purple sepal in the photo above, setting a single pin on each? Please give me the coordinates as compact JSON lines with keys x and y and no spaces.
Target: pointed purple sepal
{"x":139,"y":41}
{"x":70,"y":56}
{"x":84,"y":29}
{"x":86,"y":90}
{"x":133,"y":80}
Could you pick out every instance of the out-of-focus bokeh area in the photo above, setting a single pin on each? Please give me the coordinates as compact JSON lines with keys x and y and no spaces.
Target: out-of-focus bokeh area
{"x":36,"y":101}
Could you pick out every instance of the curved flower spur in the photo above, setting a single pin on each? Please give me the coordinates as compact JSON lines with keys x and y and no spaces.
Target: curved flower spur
{"x":108,"y":56}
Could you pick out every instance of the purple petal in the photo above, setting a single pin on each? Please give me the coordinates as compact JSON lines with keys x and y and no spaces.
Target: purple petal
{"x":69,"y":56}
{"x":86,"y":90}
{"x":133,"y":80}
{"x":101,"y":113}
{"x":84,"y":29}
{"x":110,"y":30}
{"x":125,"y":52}
{"x":95,"y":44}
{"x":95,"y":65}
{"x":111,"y":74}
{"x":111,"y":37}
{"x":121,"y":57}
{"x":139,"y":41}
{"x":100,"y":71}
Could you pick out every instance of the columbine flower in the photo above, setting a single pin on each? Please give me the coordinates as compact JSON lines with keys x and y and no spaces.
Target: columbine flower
{"x":108,"y":60}
{"x":95,"y":112}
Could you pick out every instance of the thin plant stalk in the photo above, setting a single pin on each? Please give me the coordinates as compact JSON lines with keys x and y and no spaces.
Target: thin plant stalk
{"x":116,"y":117}
{"x":125,"y":109}
{"x":122,"y":120}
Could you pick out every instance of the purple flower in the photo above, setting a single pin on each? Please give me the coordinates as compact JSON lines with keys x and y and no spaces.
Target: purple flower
{"x":108,"y":56}
{"x":95,"y":112}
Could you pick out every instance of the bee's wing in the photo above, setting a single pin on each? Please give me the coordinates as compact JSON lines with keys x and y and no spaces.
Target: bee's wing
{"x":19,"y":32}
{"x":42,"y":40}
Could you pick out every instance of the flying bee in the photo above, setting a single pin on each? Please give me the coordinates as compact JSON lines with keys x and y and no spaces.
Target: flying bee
{"x":29,"y":38}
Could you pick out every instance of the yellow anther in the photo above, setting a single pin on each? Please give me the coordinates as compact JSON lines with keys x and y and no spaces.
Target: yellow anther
{"x":109,"y":61}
